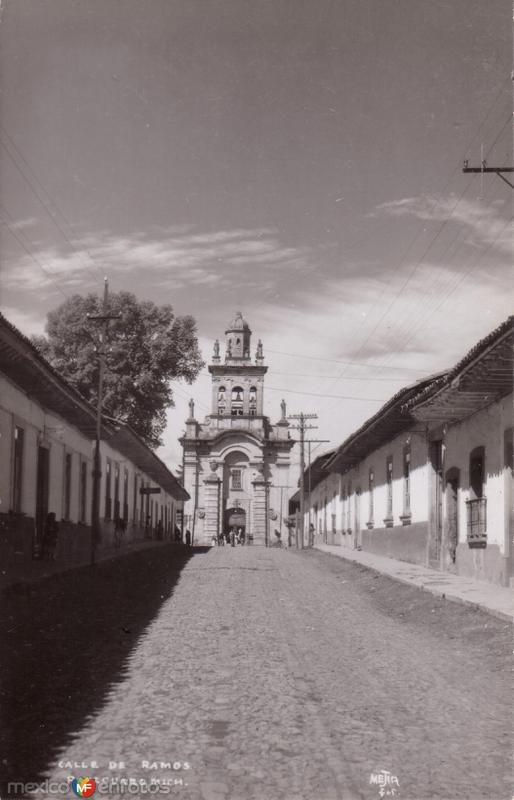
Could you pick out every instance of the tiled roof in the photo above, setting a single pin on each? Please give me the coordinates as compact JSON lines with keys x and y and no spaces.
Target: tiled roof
{"x":388,"y":422}
{"x":484,"y":375}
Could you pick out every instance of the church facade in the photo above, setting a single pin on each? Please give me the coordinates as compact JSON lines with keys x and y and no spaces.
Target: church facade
{"x":236,"y":462}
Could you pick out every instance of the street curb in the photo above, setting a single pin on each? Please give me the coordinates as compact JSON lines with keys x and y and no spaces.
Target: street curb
{"x":505,"y":617}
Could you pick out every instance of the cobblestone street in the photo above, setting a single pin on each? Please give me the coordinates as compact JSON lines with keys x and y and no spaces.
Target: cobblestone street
{"x":279,"y":675}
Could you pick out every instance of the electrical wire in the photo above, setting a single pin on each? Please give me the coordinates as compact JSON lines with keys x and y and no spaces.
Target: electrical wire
{"x":420,"y":231}
{"x":49,"y":275}
{"x":338,"y":361}
{"x":51,"y":216}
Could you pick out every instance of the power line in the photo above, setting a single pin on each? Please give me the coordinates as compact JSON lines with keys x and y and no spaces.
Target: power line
{"x":459,"y":282}
{"x":508,"y":120}
{"x":334,"y":396}
{"x":279,"y":373}
{"x":448,"y":286}
{"x":406,"y":282}
{"x":420,"y":230}
{"x":338,"y":361}
{"x":50,"y":276}
{"x":37,"y":194}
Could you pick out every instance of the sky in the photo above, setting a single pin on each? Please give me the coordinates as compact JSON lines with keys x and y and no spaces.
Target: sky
{"x":296,"y":160}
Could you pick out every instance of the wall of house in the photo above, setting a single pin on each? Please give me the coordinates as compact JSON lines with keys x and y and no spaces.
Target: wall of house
{"x":60,"y":438}
{"x":347,"y":496}
{"x":406,"y":536}
{"x":485,"y":429}
{"x":143,"y":513}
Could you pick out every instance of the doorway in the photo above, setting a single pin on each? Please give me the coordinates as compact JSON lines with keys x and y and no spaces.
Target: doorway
{"x":357,"y":519}
{"x":234,"y":517}
{"x":452,"y":512}
{"x":42,"y":481}
{"x":436,"y":509}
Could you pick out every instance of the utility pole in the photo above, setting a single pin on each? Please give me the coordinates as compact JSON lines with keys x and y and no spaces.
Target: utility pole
{"x":282,"y":487}
{"x":309,"y":442}
{"x":483,"y":168}
{"x":302,"y":426}
{"x":104,"y":318}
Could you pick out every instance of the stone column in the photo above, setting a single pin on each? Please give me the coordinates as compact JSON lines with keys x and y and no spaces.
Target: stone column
{"x":260,"y":525}
{"x":212,"y":504}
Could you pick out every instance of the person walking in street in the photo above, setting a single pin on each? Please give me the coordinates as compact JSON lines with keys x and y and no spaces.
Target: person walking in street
{"x":188,"y":537}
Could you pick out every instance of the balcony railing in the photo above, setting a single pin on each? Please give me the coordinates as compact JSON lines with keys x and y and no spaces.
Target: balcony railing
{"x":477,"y":522}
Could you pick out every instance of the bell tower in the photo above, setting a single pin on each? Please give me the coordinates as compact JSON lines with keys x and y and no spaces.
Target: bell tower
{"x":237,"y":340}
{"x":237,"y":383}
{"x":236,"y":462}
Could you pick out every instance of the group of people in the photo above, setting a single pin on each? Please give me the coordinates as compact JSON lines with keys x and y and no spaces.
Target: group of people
{"x":231,"y":538}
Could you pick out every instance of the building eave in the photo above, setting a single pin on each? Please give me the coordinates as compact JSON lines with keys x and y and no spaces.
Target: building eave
{"x":26,"y":368}
{"x":389,"y":421}
{"x":127,"y":442}
{"x":481,"y":378}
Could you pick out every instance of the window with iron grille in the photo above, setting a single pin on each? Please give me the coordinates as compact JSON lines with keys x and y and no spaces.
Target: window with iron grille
{"x":236,"y":479}
{"x":477,"y":503}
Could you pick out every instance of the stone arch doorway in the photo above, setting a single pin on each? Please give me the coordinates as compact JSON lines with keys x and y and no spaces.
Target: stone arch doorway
{"x":235,"y":517}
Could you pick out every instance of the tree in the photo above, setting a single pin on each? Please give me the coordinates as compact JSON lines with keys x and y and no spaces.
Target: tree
{"x":146,"y":349}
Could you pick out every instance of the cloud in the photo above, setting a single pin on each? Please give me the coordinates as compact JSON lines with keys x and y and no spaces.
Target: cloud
{"x":189,"y":256}
{"x":23,"y":224}
{"x":482,"y":221}
{"x":27,"y":323}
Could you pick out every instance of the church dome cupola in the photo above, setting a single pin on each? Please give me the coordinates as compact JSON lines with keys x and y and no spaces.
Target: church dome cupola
{"x":237,"y":338}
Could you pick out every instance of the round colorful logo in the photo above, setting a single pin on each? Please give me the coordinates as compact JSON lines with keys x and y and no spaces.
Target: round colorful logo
{"x":83,"y":787}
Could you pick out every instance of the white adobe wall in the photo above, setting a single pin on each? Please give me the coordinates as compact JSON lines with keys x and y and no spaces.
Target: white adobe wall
{"x":158,"y":501}
{"x":60,"y":437}
{"x":358,"y":477}
{"x":40,"y":427}
{"x":484,"y":429}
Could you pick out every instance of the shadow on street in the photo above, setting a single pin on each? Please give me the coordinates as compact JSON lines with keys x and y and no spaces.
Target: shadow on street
{"x":65,"y":643}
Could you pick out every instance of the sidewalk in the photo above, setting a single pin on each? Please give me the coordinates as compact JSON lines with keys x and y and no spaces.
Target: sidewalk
{"x":496,"y":600}
{"x":29,"y":571}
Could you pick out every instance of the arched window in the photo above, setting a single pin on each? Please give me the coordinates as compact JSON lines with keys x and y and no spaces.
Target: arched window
{"x":237,"y":402}
{"x":222,"y":406}
{"x":253,"y":401}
